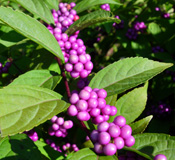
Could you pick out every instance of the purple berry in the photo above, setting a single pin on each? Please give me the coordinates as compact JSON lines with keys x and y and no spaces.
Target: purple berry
{"x":114,"y":131}
{"x":126,"y":131}
{"x":120,"y":121}
{"x":119,"y":142}
{"x":160,"y":157}
{"x":103,"y":127}
{"x":104,"y":138}
{"x":109,"y":149}
{"x":130,"y":141}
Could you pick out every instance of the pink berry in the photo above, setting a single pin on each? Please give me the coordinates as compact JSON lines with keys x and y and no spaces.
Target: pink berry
{"x":84,"y":94}
{"x":102,"y":93}
{"x":104,"y":138}
{"x":160,"y":157}
{"x":130,"y":141}
{"x":126,"y":131}
{"x":74,"y":98}
{"x":114,"y":131}
{"x":98,"y":148}
{"x":109,"y":149}
{"x":120,"y":121}
{"x":119,"y":142}
{"x":103,"y":127}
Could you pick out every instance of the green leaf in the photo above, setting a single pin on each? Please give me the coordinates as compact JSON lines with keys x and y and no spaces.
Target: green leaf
{"x":24,"y":107}
{"x":18,"y":147}
{"x":154,"y":28}
{"x":126,"y":73}
{"x":53,"y":4}
{"x":10,"y":38}
{"x":85,"y":4}
{"x":32,"y":29}
{"x":84,"y":154}
{"x":111,"y":100}
{"x":132,"y":104}
{"x":48,"y":151}
{"x":140,"y":126}
{"x":39,"y":8}
{"x":153,"y":144}
{"x":90,"y":19}
{"x":40,"y":78}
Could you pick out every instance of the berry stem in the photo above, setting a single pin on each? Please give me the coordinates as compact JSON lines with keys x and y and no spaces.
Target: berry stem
{"x":64,"y":77}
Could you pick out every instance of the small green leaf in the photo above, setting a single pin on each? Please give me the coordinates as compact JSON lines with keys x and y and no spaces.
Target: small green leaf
{"x":132,"y":104}
{"x":126,"y":74}
{"x":84,"y":154}
{"x":140,"y":126}
{"x":153,"y":144}
{"x":39,"y":8}
{"x":90,"y":19}
{"x":53,"y":4}
{"x":40,"y":78}
{"x":31,"y":28}
{"x":154,"y":28}
{"x":85,"y":4}
{"x":48,"y":151}
{"x":18,"y":147}
{"x":24,"y":107}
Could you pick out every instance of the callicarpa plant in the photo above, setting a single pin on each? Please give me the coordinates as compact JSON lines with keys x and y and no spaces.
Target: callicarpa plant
{"x":61,"y":97}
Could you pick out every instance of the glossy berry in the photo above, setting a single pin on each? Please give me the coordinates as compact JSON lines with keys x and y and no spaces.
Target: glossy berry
{"x":160,"y":157}
{"x":109,"y":149}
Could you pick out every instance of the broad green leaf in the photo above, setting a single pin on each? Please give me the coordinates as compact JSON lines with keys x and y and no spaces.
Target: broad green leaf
{"x":24,"y":107}
{"x":39,"y":8}
{"x":31,"y":28}
{"x":84,"y":154}
{"x":85,"y":4}
{"x":53,"y":4}
{"x":40,"y":78}
{"x":48,"y":151}
{"x":111,"y":100}
{"x":126,"y":74}
{"x":140,"y":126}
{"x":153,"y":144}
{"x":19,"y":147}
{"x":90,"y":19}
{"x":132,"y":104}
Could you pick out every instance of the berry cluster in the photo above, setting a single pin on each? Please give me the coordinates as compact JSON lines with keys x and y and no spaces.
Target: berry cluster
{"x":160,"y":157}
{"x":91,"y":103}
{"x":64,"y":17}
{"x":160,"y":111}
{"x":133,"y":32}
{"x":157,"y":49}
{"x":139,"y":26}
{"x":120,"y":25}
{"x":131,"y":156}
{"x":66,"y":148}
{"x":59,"y":127}
{"x":5,"y":68}
{"x":105,"y":7}
{"x":110,"y":137}
{"x":32,"y":135}
{"x":78,"y":63}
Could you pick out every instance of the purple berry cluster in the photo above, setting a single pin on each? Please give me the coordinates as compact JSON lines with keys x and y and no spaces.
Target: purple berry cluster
{"x":138,"y":27}
{"x":66,"y":148}
{"x":90,"y":103}
{"x":110,"y":137}
{"x":5,"y":68}
{"x":78,"y":63}
{"x":59,"y":127}
{"x":105,"y":7}
{"x":157,"y":49}
{"x":131,"y":156}
{"x":160,"y":157}
{"x":161,"y":110}
{"x":32,"y":135}
{"x":64,"y":17}
{"x":132,"y":34}
{"x":120,"y":25}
